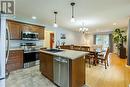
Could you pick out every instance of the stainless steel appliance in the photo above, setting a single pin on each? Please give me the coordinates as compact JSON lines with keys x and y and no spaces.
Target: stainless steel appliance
{"x":29,"y":36}
{"x":31,"y":54}
{"x":61,"y":71}
{"x":2,"y":50}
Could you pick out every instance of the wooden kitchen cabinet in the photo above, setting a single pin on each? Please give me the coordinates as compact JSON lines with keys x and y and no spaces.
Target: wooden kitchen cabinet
{"x":15,"y":60}
{"x":76,"y":69}
{"x":15,"y":30}
{"x":77,"y":72}
{"x":27,"y":28}
{"x":34,"y":28}
{"x":46,"y":66}
{"x":39,"y":30}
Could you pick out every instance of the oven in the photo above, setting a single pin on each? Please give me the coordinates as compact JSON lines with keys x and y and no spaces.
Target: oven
{"x":31,"y":54}
{"x":31,"y":58}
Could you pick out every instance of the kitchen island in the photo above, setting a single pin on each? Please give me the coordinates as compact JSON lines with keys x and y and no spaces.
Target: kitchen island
{"x":65,"y":68}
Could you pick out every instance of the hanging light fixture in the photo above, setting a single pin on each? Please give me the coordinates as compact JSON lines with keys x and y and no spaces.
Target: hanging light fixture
{"x":83,"y":29}
{"x":72,"y":19}
{"x":55,"y":24}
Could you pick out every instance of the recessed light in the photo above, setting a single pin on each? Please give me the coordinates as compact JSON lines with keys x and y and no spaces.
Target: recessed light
{"x":33,"y":17}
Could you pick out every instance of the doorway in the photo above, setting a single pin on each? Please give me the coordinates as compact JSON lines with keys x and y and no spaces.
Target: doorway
{"x":49,"y":41}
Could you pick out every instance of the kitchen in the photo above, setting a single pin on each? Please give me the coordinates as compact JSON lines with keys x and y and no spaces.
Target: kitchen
{"x":43,"y":54}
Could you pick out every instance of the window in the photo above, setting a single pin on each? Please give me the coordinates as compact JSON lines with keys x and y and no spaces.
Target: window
{"x":102,"y":40}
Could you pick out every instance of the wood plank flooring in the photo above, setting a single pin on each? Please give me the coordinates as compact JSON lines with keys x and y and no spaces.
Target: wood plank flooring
{"x":116,"y":75}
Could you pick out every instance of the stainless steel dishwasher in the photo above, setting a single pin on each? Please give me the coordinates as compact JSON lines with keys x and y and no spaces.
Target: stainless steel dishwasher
{"x":61,"y":71}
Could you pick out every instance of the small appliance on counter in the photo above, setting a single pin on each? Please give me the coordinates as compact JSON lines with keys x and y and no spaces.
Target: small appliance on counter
{"x":29,"y":36}
{"x":31,"y":54}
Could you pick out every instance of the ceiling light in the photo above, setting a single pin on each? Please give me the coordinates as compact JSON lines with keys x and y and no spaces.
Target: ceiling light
{"x":72,"y":19}
{"x":114,"y":24}
{"x":83,"y":29}
{"x":33,"y":17}
{"x":55,"y":24}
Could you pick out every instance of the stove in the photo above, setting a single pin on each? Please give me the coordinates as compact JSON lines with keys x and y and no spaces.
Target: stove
{"x":31,"y":54}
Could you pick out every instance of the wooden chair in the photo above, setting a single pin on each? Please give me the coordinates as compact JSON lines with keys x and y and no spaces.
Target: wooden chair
{"x":76,"y":48}
{"x":104,"y":58}
{"x":85,"y":48}
{"x":87,"y":57}
{"x":65,"y":47}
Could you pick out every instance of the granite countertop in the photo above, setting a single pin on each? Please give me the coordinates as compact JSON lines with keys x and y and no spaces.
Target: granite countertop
{"x":19,"y":48}
{"x":16,"y":48}
{"x":71,"y":54}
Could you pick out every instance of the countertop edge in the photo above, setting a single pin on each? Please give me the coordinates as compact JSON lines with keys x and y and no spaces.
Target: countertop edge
{"x":56,"y":54}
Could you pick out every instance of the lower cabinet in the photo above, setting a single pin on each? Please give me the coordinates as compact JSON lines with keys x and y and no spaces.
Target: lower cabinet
{"x":76,"y":68}
{"x":46,"y":65}
{"x":15,"y":60}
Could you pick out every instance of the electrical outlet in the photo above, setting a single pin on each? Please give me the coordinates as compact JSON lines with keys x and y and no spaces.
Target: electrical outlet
{"x":129,"y":85}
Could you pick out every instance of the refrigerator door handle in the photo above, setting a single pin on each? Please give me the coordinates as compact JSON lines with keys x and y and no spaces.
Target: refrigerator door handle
{"x":8,"y":42}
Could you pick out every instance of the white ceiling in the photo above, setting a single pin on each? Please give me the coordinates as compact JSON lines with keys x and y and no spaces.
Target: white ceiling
{"x":98,"y":14}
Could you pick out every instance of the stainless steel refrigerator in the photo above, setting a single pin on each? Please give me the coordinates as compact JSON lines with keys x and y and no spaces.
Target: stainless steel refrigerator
{"x":2,"y":50}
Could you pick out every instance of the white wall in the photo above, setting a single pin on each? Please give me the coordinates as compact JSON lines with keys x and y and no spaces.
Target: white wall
{"x":72,"y":37}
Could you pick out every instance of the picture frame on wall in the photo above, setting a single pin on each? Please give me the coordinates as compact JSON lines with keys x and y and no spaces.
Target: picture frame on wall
{"x":63,"y":36}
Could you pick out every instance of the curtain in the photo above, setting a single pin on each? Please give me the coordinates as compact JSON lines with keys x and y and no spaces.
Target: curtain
{"x":110,"y":43}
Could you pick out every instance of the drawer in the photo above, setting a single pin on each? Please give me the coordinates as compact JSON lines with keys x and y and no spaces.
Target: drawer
{"x":15,"y":54}
{"x":15,"y":60}
{"x":15,"y":66}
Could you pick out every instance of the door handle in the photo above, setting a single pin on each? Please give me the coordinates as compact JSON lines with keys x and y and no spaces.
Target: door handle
{"x":8,"y":42}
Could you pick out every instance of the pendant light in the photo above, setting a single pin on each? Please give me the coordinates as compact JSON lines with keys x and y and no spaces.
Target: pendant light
{"x":55,"y":24}
{"x":72,"y":19}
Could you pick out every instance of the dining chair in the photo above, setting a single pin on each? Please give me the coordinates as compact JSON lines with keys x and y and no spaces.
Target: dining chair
{"x":104,"y":59}
{"x":88,"y":57}
{"x":76,"y":48}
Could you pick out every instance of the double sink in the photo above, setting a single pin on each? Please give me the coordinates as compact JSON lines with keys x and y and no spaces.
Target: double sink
{"x":54,"y":50}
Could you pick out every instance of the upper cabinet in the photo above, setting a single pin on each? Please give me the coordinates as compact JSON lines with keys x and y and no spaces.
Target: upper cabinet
{"x":40,"y":31}
{"x":34,"y":28}
{"x":16,"y":29}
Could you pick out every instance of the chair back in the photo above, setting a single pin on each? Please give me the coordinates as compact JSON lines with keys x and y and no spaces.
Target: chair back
{"x":107,"y":53}
{"x":85,"y":48}
{"x":76,"y":47}
{"x":65,"y":47}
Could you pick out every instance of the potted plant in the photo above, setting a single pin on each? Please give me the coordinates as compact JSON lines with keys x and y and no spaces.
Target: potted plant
{"x":119,"y":38}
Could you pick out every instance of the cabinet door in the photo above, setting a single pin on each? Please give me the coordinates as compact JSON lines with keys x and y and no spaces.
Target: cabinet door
{"x":46,"y":65}
{"x":43,"y":64}
{"x":49,"y":67}
{"x":15,"y":30}
{"x":40,"y":31}
{"x":15,"y":60}
{"x":27,"y":28}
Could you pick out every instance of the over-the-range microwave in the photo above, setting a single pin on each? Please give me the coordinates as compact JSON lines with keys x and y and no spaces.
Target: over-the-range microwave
{"x":29,"y":36}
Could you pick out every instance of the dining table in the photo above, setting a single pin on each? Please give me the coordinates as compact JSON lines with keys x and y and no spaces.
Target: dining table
{"x":94,"y":53}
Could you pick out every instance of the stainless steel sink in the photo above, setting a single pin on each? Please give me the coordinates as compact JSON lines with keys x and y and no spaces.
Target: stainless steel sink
{"x":54,"y":50}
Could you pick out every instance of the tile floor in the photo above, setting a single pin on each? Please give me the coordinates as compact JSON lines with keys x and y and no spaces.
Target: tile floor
{"x":29,"y":77}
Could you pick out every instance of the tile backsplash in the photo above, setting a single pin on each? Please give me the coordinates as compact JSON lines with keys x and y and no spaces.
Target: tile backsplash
{"x":16,"y":43}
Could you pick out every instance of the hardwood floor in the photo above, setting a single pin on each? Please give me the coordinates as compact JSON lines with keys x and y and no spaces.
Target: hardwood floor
{"x":116,"y":75}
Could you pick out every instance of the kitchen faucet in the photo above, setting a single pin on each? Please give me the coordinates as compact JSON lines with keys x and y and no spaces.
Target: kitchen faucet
{"x":58,"y":44}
